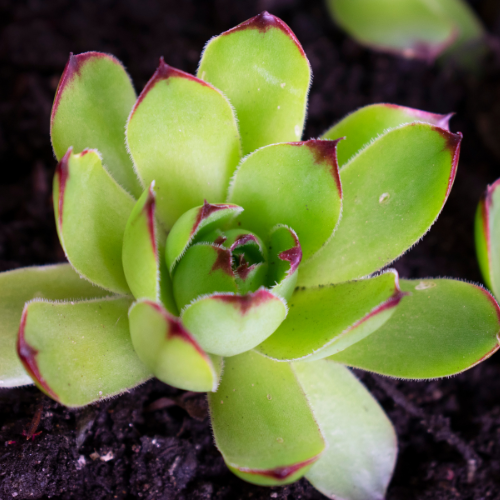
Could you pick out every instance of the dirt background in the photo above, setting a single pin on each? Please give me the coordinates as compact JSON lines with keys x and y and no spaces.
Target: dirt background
{"x":155,"y":443}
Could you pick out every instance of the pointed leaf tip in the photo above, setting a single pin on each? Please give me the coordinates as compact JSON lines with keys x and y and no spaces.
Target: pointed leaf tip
{"x":263,"y":22}
{"x":27,"y":355}
{"x":182,"y":132}
{"x":285,"y":254}
{"x":375,"y":228}
{"x":263,"y":70}
{"x":326,"y":151}
{"x":92,"y":103}
{"x":206,"y":210}
{"x":73,"y":67}
{"x":293,"y":256}
{"x":164,"y":72}
{"x":295,"y":184}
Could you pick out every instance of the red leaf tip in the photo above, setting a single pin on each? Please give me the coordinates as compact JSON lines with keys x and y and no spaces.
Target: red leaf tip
{"x":62,"y":172}
{"x":244,"y":239}
{"x":73,"y":67}
{"x":279,"y":473}
{"x":245,"y":302}
{"x":223,"y":261}
{"x":164,"y":72}
{"x":175,"y":328}
{"x":149,"y":209}
{"x":27,"y":354}
{"x":263,"y":22}
{"x":206,"y":210}
{"x":325,"y":151}
{"x":292,"y":255}
{"x":436,"y":119}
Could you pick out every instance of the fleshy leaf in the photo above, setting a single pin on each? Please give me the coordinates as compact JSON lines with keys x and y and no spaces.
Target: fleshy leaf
{"x":58,"y":282}
{"x":394,"y":190}
{"x":92,"y":104}
{"x":444,"y":327}
{"x":263,"y":70}
{"x":228,"y":324}
{"x":326,"y":320}
{"x":79,"y":352}
{"x":182,"y":133}
{"x":468,"y":26}
{"x":296,"y":184}
{"x":262,"y":422}
{"x":412,"y":28}
{"x":194,"y":225}
{"x":170,"y":351}
{"x":285,"y":257}
{"x":204,"y":269}
{"x":142,"y":255}
{"x":91,"y":212}
{"x":362,"y":444}
{"x":366,"y":124}
{"x":487,"y":233}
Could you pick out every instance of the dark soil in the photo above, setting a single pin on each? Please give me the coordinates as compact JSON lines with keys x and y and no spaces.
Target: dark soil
{"x":155,"y":443}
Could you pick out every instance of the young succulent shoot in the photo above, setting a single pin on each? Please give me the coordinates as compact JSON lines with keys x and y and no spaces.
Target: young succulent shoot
{"x":228,"y":255}
{"x":413,"y":28}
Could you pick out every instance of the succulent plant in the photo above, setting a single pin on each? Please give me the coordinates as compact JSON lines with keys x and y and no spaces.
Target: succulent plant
{"x":413,"y":28}
{"x":221,"y":253}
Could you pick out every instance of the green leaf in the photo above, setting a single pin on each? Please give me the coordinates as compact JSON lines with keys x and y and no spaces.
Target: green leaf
{"x":249,"y":278}
{"x":326,"y":320}
{"x":170,"y":351}
{"x":142,"y":254}
{"x":228,"y":324}
{"x":263,"y":70}
{"x":487,"y":234}
{"x":412,"y":28}
{"x":57,"y":282}
{"x":80,"y":352}
{"x":92,"y":104}
{"x":262,"y":422}
{"x":91,"y":212}
{"x":285,"y":257}
{"x":296,"y":184}
{"x":182,"y":133}
{"x":443,"y":328}
{"x":204,"y":269}
{"x":394,"y":189}
{"x":193,"y":225}
{"x":362,"y":444}
{"x":467,"y":24}
{"x":367,"y":124}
